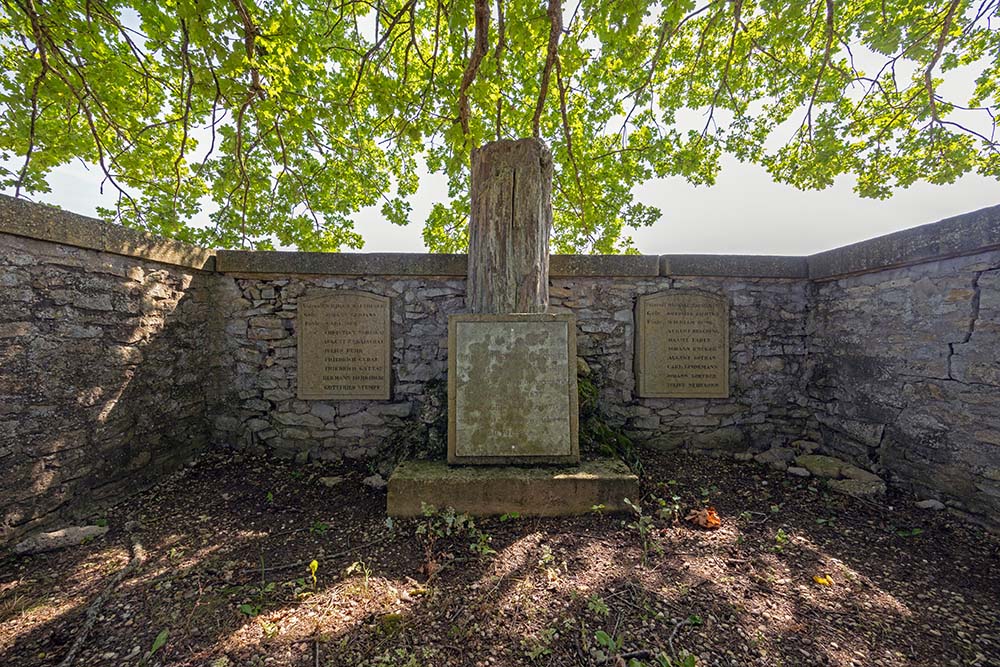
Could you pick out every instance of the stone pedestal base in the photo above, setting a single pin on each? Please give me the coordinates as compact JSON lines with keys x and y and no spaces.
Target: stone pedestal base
{"x":490,"y":490}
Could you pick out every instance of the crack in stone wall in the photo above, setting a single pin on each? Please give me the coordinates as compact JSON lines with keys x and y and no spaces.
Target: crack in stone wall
{"x":872,"y":346}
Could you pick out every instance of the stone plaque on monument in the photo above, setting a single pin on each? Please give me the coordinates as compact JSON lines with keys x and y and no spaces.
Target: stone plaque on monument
{"x":512,"y":389}
{"x":344,"y":346}
{"x":682,"y":345}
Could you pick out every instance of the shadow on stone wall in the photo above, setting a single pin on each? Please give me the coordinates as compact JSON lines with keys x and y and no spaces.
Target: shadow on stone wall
{"x":103,"y":380}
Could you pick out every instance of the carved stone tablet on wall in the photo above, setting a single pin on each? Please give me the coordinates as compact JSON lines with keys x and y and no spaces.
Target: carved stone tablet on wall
{"x":344,"y":346}
{"x":682,"y":345}
{"x":512,"y":389}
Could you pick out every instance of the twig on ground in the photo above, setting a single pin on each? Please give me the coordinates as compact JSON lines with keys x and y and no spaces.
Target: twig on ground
{"x":670,"y":639}
{"x":92,"y":612}
{"x":630,"y":655}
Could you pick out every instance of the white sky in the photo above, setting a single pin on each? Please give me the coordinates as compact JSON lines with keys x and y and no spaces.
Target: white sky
{"x":743,"y":213}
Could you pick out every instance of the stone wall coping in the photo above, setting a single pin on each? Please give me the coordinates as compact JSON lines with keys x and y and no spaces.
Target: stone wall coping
{"x":965,"y":234}
{"x":418,"y":264}
{"x":741,"y":266}
{"x":46,"y":223}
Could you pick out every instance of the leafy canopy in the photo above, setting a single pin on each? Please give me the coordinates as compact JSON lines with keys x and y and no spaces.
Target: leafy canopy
{"x":283,"y":118}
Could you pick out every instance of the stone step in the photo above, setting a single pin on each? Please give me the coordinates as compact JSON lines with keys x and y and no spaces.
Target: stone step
{"x":490,"y":490}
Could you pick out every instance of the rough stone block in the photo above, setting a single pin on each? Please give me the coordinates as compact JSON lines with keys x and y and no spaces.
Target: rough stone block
{"x":491,"y":490}
{"x":821,"y":466}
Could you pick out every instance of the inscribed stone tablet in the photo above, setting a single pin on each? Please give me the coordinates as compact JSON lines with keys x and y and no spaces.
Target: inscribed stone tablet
{"x":512,"y":389}
{"x":344,"y":346}
{"x":682,"y":347}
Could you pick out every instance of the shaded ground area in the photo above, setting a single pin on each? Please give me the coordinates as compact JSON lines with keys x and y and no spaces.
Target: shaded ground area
{"x":229,"y":542}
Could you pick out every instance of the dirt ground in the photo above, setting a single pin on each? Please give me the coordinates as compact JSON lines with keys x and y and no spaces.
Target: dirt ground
{"x":794,"y":576}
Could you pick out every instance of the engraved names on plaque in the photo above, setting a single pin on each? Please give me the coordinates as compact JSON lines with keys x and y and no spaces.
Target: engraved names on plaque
{"x":343,"y":346}
{"x":682,"y":345}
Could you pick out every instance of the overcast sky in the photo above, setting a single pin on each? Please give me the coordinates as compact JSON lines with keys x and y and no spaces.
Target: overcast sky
{"x":743,"y":213}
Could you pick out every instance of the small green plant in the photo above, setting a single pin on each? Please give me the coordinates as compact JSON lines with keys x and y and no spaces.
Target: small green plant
{"x":598,"y":509}
{"x":509,"y":516}
{"x":610,"y":647}
{"x":597,"y":605}
{"x":909,"y":532}
{"x":158,"y":643}
{"x":357,"y":567}
{"x":447,"y":524}
{"x":643,"y":525}
{"x":688,"y":660}
{"x":781,"y":540}
{"x":318,"y":528}
{"x":669,"y":509}
{"x":249,"y":609}
{"x":269,"y":497}
{"x":101,"y":522}
{"x":825,"y":522}
{"x":539,"y":645}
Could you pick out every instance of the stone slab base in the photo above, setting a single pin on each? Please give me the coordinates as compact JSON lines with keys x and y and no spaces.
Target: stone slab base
{"x":487,"y":490}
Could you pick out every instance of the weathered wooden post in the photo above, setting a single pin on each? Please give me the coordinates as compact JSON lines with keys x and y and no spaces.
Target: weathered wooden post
{"x":509,"y":225}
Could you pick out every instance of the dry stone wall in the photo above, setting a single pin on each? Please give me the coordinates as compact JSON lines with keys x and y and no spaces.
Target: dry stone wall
{"x":120,"y":355}
{"x":104,"y":371}
{"x":905,"y":376}
{"x":766,"y":362}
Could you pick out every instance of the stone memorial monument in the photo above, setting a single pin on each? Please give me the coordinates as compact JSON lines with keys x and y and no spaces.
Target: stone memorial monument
{"x":512,"y":394}
{"x":512,"y":390}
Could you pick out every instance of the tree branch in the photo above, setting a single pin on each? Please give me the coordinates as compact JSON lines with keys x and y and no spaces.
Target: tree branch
{"x":555,"y":28}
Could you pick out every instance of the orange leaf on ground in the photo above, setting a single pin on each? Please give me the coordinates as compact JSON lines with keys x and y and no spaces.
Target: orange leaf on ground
{"x":706,"y":517}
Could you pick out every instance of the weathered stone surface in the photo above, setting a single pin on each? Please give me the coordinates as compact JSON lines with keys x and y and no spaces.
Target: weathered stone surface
{"x":512,"y":391}
{"x":806,"y":446}
{"x":854,"y":472}
{"x":858,"y":488}
{"x":746,"y":266}
{"x":45,"y":223}
{"x":682,"y":345}
{"x":900,"y":362}
{"x":929,"y":504}
{"x":776,"y":457}
{"x":98,"y":401}
{"x":894,"y":370}
{"x":820,"y":465}
{"x":330,"y":482}
{"x":961,"y":235}
{"x":376,"y":482}
{"x":344,"y":346}
{"x":798,"y":472}
{"x":493,"y":490}
{"x":728,"y":439}
{"x":59,"y":539}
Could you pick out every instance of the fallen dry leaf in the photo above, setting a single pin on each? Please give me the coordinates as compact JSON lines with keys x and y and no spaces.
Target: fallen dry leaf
{"x":706,"y":517}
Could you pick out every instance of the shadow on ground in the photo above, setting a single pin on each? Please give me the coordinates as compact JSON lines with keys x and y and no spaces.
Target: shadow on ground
{"x":230,"y":540}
